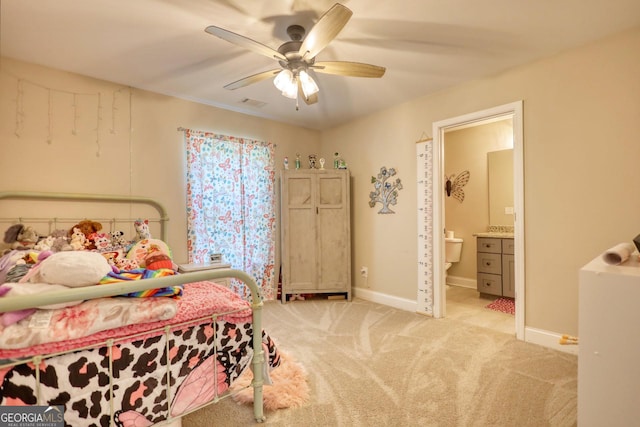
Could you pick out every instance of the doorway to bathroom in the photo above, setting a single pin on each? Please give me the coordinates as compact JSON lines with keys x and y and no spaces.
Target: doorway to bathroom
{"x":461,"y":179}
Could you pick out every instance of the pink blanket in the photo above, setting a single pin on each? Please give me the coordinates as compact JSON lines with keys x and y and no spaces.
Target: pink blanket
{"x":199,"y":299}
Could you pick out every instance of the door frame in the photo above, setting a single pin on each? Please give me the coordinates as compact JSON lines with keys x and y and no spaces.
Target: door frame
{"x":515,"y":111}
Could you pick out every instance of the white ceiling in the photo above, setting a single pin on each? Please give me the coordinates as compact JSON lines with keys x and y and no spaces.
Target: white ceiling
{"x":425,"y":45}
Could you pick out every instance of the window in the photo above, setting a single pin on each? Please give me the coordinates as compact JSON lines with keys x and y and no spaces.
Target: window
{"x":231,"y":205}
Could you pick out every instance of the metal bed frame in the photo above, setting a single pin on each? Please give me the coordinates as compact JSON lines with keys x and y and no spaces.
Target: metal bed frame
{"x":114,"y":289}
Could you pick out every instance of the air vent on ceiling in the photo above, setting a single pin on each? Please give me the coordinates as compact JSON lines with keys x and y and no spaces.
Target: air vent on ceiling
{"x":252,"y":102}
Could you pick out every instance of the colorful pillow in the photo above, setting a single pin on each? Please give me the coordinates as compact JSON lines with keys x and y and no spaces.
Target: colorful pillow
{"x":144,"y":247}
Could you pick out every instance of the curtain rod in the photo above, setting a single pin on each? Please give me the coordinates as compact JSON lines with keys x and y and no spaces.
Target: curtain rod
{"x":181,"y":129}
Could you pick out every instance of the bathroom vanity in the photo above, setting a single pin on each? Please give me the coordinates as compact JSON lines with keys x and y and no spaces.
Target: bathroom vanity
{"x":495,"y":264}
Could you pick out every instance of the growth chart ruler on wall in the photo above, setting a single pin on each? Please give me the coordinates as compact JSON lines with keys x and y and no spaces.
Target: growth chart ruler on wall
{"x":424,"y":159}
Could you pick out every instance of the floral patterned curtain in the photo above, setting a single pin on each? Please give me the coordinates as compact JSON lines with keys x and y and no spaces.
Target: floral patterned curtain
{"x":231,"y":205}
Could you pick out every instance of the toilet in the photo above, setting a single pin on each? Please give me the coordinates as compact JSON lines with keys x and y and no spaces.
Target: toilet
{"x":452,"y":250}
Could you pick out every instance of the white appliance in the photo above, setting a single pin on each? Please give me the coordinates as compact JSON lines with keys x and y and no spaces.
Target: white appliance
{"x":609,"y":344}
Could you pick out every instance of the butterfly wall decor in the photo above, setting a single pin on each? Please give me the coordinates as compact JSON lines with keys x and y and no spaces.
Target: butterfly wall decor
{"x":453,"y":185}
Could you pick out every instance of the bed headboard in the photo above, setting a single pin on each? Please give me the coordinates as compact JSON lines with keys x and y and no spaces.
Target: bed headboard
{"x":99,"y":198}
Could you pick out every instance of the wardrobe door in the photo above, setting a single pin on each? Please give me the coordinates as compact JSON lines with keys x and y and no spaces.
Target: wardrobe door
{"x":334,"y":248}
{"x":299,"y":233}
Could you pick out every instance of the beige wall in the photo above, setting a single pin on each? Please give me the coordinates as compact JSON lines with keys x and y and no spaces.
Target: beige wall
{"x":581,"y":152}
{"x":501,"y":187}
{"x":466,"y":149}
{"x":581,"y":111}
{"x":144,"y":155}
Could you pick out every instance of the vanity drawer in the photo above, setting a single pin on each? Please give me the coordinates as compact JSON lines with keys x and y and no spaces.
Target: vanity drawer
{"x":487,"y":244}
{"x":489,"y":263}
{"x":507,"y":246}
{"x":489,"y":284}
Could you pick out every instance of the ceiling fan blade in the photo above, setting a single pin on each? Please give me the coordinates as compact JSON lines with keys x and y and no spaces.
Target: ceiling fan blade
{"x":252,"y":79}
{"x":244,"y":42}
{"x":352,"y":69}
{"x":325,"y":30}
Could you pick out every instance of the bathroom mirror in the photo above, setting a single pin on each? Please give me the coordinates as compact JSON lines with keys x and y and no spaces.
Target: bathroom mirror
{"x":500,"y":170}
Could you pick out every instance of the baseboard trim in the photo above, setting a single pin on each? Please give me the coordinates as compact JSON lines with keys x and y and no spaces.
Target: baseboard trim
{"x":548,"y":339}
{"x":385,"y":299}
{"x":463,"y":282}
{"x":531,"y":335}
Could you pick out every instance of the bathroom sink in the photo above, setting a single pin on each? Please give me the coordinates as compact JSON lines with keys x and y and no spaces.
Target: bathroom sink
{"x":495,"y":234}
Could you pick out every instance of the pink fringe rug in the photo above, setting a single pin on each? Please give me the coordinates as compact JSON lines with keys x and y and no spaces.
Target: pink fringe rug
{"x":289,"y":389}
{"x":504,"y":305}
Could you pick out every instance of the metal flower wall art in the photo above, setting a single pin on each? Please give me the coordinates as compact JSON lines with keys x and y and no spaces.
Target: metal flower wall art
{"x":385,"y":192}
{"x":453,"y":185}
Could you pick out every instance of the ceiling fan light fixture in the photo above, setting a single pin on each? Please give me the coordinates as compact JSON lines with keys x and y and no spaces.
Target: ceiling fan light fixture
{"x":291,"y":90}
{"x":283,"y":80}
{"x":309,"y":86}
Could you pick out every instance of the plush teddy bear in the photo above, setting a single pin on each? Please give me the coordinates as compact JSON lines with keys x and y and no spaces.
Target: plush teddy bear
{"x":87,"y":227}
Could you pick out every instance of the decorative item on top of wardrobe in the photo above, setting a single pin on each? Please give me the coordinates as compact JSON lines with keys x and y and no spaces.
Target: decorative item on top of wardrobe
{"x":338,"y":162}
{"x":312,"y":161}
{"x":453,"y":185}
{"x":385,"y":192}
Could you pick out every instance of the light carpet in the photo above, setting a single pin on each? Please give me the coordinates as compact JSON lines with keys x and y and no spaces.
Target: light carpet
{"x":373,"y":365}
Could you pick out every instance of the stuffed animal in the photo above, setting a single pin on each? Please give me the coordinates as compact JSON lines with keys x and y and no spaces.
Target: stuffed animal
{"x":10,"y":237}
{"x":126,"y":264}
{"x":102,"y":241}
{"x":78,"y":239}
{"x":142,"y":229}
{"x":45,"y":244}
{"x":61,"y":241}
{"x":19,"y":236}
{"x":110,"y":256}
{"x":117,"y":239}
{"x":11,"y":234}
{"x":87,"y":227}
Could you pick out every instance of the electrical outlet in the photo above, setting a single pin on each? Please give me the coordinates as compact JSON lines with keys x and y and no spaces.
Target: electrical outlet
{"x":364,"y":272}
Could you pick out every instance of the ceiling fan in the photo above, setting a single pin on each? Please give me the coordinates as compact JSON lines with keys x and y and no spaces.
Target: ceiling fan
{"x":298,"y":56}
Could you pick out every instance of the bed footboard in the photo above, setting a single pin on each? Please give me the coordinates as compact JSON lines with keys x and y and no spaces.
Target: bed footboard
{"x":13,"y":303}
